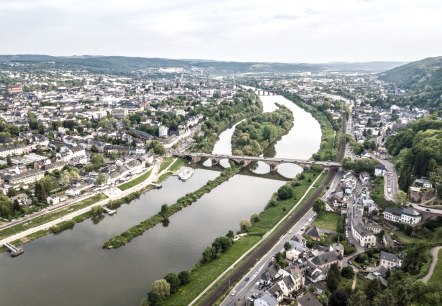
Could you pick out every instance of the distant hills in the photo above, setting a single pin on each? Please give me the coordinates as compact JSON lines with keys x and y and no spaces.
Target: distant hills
{"x":422,"y":81}
{"x":121,"y":64}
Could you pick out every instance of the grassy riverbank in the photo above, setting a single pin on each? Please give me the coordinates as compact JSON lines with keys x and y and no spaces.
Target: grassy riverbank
{"x":135,"y":181}
{"x":50,"y":216}
{"x":167,"y":211}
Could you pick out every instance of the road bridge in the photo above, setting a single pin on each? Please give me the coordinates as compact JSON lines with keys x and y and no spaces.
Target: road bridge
{"x":262,"y":92}
{"x":273,"y":162}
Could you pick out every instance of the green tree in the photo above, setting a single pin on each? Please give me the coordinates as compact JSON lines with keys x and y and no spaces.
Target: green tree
{"x":153,"y":299}
{"x":333,"y":277}
{"x":285,"y":192}
{"x":184,"y":277}
{"x":40,"y":192}
{"x":94,"y":149}
{"x":161,"y":288}
{"x":372,"y":289}
{"x":32,"y":121}
{"x":164,"y":210}
{"x":347,"y":272}
{"x":230,"y":234}
{"x":358,"y":298}
{"x":173,"y":281}
{"x":319,"y":206}
{"x":97,"y":160}
{"x":255,"y":218}
{"x":338,"y":298}
{"x":101,"y":179}
{"x":287,"y":246}
{"x":401,"y":197}
{"x":11,"y":192}
{"x":113,"y":156}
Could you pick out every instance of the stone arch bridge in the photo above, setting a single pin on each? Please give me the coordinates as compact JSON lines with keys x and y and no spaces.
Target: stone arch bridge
{"x":245,"y":160}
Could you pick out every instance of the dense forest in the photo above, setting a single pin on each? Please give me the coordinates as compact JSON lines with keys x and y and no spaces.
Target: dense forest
{"x":122,"y":64}
{"x":422,"y":82}
{"x":418,"y":151}
{"x":254,"y":135}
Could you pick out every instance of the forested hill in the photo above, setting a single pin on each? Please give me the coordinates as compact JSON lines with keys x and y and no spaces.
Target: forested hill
{"x":422,"y":81}
{"x":122,"y":64}
{"x":418,"y":149}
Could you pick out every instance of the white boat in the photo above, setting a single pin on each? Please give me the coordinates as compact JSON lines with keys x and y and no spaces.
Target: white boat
{"x":186,"y":174}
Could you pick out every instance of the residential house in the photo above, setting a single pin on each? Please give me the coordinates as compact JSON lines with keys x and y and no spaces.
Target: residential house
{"x":389,"y":260}
{"x":22,"y":199}
{"x":362,"y":235}
{"x":266,"y":300}
{"x":402,"y":215}
{"x":308,"y":299}
{"x":380,"y":170}
{"x":26,"y":178}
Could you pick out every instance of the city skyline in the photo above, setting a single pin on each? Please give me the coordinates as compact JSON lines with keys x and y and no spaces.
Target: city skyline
{"x":314,"y":32}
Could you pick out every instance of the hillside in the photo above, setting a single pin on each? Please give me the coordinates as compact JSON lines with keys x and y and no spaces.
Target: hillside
{"x":417,"y":149}
{"x":122,"y":64}
{"x":422,"y":81}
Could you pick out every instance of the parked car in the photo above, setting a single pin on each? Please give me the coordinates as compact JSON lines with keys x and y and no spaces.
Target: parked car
{"x":233,"y":293}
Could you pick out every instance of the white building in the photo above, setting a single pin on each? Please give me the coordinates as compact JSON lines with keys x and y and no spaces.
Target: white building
{"x":25,"y":178}
{"x":163,"y":131}
{"x":402,"y":215}
{"x":389,"y":260}
{"x":362,"y":235}
{"x":380,"y":170}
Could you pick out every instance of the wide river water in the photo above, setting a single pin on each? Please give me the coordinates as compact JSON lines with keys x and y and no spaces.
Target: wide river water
{"x":71,"y":268}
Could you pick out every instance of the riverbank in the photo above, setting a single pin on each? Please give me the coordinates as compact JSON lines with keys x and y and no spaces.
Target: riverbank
{"x":40,"y":226}
{"x":167,"y":211}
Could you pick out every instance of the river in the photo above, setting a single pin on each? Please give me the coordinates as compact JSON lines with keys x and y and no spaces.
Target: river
{"x":72,"y":269}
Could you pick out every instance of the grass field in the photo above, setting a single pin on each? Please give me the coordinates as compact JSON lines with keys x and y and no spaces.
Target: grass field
{"x":167,"y":161}
{"x":135,"y":181}
{"x":50,"y":216}
{"x":327,"y":220}
{"x":176,"y":165}
{"x":436,"y":278}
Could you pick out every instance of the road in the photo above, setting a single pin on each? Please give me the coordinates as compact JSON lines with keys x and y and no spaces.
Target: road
{"x":390,"y":179}
{"x":120,"y":194}
{"x":428,"y":210}
{"x":245,"y":288}
{"x":434,"y":255}
{"x":267,"y":245}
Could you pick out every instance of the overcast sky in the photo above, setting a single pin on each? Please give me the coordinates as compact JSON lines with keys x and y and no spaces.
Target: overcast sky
{"x":240,"y":30}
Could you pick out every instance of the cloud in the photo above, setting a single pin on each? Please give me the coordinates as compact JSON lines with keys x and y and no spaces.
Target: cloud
{"x":289,"y":31}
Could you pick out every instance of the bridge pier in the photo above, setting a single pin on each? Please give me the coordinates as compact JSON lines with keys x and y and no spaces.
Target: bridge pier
{"x":273,"y":167}
{"x":215,"y":161}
